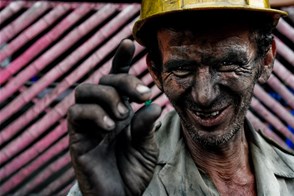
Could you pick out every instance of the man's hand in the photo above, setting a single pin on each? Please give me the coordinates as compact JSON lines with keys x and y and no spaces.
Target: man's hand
{"x":113,"y":149}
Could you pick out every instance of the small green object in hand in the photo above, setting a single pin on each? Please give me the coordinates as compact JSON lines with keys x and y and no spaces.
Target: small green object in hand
{"x":148,"y":102}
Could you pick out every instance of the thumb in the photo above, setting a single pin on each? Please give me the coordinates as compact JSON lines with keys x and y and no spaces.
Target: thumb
{"x":142,"y":125}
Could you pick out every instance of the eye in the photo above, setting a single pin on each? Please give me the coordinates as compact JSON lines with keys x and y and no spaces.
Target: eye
{"x":182,"y":71}
{"x":180,"y":67}
{"x":227,"y":66}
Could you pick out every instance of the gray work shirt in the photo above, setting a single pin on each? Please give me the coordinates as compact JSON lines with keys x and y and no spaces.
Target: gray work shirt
{"x":177,"y":175}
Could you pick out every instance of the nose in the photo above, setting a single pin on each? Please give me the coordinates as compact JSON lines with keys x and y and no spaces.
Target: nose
{"x":204,"y":90}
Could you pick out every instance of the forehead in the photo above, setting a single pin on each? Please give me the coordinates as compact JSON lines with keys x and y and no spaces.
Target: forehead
{"x":209,"y":32}
{"x":203,"y":39}
{"x":207,"y":44}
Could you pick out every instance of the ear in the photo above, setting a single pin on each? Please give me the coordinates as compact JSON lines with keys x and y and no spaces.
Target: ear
{"x":268,"y":63}
{"x":154,"y":72}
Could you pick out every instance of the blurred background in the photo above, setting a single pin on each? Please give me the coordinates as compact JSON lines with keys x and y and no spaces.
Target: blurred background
{"x":47,"y":48}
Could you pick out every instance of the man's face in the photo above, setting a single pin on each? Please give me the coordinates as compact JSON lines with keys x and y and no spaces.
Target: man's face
{"x":209,"y":78}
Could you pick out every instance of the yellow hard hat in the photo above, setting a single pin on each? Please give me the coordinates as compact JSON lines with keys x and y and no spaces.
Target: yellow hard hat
{"x":151,"y":9}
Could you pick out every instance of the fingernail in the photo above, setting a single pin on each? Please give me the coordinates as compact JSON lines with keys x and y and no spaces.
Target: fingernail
{"x":109,"y":123}
{"x":122,"y":109}
{"x":142,"y":89}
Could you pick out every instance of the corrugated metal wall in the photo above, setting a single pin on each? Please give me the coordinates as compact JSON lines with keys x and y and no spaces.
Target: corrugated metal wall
{"x":48,"y":48}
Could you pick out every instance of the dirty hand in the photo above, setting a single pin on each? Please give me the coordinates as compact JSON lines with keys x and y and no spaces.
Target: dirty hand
{"x":113,"y":149}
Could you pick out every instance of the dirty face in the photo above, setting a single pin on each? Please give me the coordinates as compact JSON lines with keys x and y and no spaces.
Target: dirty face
{"x":209,"y":78}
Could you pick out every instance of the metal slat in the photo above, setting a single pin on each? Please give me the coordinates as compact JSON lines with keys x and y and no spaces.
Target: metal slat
{"x":10,"y":10}
{"x":38,"y":148}
{"x":33,"y":31}
{"x":66,"y":64}
{"x":271,"y":118}
{"x":13,"y":182}
{"x":275,"y":106}
{"x":38,"y":47}
{"x":23,"y":21}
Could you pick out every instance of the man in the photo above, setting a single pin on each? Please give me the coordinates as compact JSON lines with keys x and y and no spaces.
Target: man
{"x":206,"y":56}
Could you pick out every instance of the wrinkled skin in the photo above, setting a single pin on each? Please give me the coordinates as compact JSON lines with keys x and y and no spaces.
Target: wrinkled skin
{"x":210,"y":74}
{"x":209,"y":78}
{"x":113,"y":149}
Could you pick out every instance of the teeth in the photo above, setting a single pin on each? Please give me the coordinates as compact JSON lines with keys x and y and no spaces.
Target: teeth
{"x":207,"y":115}
{"x":214,"y":113}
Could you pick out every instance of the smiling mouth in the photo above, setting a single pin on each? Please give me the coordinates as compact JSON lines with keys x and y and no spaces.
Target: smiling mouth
{"x":208,"y":115}
{"x":213,"y":118}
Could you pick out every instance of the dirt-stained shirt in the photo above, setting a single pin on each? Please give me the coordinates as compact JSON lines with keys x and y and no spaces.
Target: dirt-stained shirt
{"x":177,"y":175}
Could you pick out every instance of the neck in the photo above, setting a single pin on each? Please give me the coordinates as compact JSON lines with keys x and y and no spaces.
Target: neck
{"x":224,"y":161}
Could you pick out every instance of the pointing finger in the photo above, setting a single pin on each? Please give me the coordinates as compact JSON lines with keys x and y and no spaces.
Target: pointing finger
{"x":123,"y":57}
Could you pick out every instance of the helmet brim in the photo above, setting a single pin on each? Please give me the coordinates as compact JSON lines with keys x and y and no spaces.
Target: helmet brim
{"x":140,"y":23}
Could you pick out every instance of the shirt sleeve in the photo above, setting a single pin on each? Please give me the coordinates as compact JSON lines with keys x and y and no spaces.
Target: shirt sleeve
{"x":75,"y":190}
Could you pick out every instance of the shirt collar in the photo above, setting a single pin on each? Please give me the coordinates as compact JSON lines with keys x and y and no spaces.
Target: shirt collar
{"x":276,"y":159}
{"x":280,"y":161}
{"x":269,"y":159}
